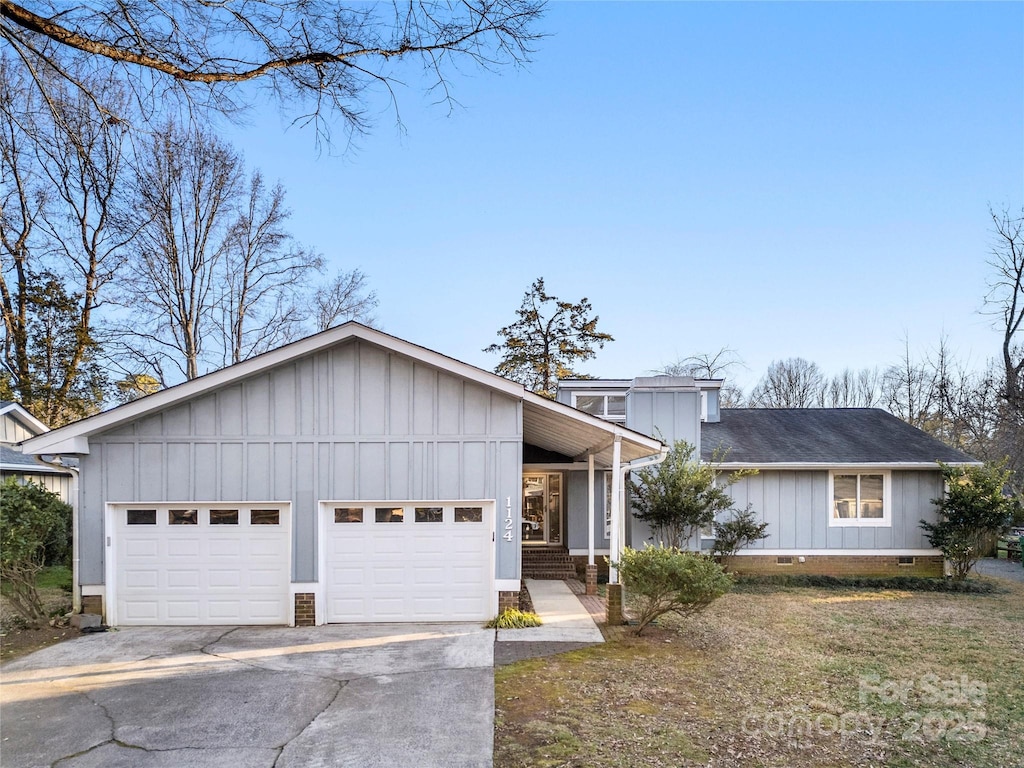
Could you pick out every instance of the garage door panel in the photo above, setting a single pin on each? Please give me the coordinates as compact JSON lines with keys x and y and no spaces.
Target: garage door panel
{"x":409,"y":571}
{"x":187,"y":548}
{"x":136,"y":578}
{"x":202,"y":573}
{"x":141,"y":548}
{"x":388,"y":544}
{"x":388,"y":576}
{"x":224,"y":611}
{"x":429,"y":576}
{"x":231,"y":579}
{"x":183,"y":610}
{"x":265,"y":548}
{"x":142,"y":611}
{"x":183,"y":579}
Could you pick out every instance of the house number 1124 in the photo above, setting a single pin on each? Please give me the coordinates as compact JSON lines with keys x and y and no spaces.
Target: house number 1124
{"x":509,"y":522}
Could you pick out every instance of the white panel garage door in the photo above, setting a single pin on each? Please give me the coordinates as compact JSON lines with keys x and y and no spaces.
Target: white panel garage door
{"x":190,"y":563}
{"x":408,"y":561}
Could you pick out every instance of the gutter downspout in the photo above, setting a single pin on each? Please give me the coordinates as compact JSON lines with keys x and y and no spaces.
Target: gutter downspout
{"x":619,"y":500}
{"x":76,"y":587}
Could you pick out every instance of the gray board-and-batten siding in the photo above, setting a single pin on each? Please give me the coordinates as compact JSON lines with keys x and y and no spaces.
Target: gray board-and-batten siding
{"x":353,"y":422}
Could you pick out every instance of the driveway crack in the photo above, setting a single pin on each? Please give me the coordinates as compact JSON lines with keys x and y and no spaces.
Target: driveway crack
{"x":341,"y":686}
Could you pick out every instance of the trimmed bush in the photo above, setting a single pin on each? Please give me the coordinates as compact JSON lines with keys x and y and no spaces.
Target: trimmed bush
{"x":513,"y":618}
{"x":662,"y":580}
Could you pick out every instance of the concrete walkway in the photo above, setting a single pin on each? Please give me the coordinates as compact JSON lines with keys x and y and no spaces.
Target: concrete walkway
{"x":565,"y":619}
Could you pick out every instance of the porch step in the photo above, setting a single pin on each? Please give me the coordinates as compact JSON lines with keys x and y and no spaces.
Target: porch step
{"x":551,"y":563}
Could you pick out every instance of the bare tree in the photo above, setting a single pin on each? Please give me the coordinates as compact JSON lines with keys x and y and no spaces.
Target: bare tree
{"x":907,"y":389}
{"x":853,"y":389}
{"x":792,"y":383}
{"x":62,"y":218}
{"x":344,"y":298}
{"x":319,"y":54}
{"x":264,"y":276}
{"x":1006,"y":297}
{"x":710,"y":365}
{"x":188,"y":182}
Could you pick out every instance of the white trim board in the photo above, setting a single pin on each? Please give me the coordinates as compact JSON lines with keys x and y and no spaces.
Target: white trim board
{"x":842,"y":552}
{"x":824,"y":465}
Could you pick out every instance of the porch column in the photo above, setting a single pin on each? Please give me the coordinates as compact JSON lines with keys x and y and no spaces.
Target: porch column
{"x":590,"y":509}
{"x":591,"y":569}
{"x":616,"y":544}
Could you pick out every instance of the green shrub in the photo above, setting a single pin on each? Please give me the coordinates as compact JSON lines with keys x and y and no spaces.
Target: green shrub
{"x":973,"y":508}
{"x":737,"y":532}
{"x":513,"y":618}
{"x":663,"y":580}
{"x":905,"y":583}
{"x":35,"y":526}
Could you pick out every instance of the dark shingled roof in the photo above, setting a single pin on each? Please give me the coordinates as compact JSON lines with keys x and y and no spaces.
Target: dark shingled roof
{"x":820,"y":435}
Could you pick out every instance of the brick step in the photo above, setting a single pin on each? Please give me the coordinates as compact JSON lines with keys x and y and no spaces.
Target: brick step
{"x":549,"y":575}
{"x":560,"y":560}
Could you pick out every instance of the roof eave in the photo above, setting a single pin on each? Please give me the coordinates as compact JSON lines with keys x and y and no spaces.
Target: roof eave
{"x":796,"y":465}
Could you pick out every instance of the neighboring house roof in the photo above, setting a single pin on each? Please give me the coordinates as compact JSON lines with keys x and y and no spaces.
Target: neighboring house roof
{"x":821,"y":436}
{"x":546,"y":424}
{"x":13,"y":460}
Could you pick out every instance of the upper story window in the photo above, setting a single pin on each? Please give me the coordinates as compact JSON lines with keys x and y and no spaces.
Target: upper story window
{"x":607,"y":407}
{"x":860,"y":498}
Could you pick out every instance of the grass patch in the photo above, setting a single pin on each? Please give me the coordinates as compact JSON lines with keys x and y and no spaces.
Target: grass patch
{"x":513,"y":618}
{"x":55,"y":577}
{"x":779,"y":678}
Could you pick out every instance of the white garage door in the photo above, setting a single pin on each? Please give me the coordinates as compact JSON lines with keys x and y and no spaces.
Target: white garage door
{"x":191,"y":563}
{"x":408,"y":561}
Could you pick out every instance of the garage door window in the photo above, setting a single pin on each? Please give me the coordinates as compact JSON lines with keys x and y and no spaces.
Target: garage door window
{"x":183,"y":517}
{"x":348,"y":515}
{"x":223,"y":517}
{"x":469,"y":515}
{"x":429,"y":515}
{"x":390,"y":515}
{"x":265,"y":517}
{"x":141,"y":517}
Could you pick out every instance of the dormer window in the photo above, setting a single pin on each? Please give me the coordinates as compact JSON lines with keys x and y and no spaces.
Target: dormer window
{"x":607,"y":407}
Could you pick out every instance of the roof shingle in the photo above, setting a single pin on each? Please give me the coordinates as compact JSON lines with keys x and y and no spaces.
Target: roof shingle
{"x":821,"y":435}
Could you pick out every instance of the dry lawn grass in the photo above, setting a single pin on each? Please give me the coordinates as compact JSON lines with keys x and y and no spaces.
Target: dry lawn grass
{"x":782,"y":677}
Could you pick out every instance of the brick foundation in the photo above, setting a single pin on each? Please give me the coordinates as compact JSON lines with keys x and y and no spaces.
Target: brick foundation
{"x":838,"y":565}
{"x":591,"y":579}
{"x":615,"y":617}
{"x":92,"y":604}
{"x":305,"y":609}
{"x":600,"y":562}
{"x":508,"y":600}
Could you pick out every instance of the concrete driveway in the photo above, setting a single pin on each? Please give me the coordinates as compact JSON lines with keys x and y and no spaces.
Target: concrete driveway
{"x":352,"y":695}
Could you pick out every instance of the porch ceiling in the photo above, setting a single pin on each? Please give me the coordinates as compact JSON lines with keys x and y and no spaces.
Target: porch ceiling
{"x":559,"y":428}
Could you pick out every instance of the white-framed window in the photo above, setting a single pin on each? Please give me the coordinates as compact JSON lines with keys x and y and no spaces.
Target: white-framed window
{"x":610,"y":407}
{"x":859,"y":497}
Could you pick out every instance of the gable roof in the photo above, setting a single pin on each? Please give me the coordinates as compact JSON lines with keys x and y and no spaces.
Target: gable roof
{"x":16,"y":411}
{"x":546,"y":424}
{"x":821,"y":436}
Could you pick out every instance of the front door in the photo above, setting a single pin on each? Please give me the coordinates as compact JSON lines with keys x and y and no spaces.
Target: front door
{"x":542,"y":508}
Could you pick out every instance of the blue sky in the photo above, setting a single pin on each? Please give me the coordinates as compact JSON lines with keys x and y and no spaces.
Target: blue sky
{"x":785,"y":179}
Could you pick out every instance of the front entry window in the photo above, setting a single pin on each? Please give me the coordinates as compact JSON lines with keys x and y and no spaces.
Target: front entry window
{"x":542,"y":508}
